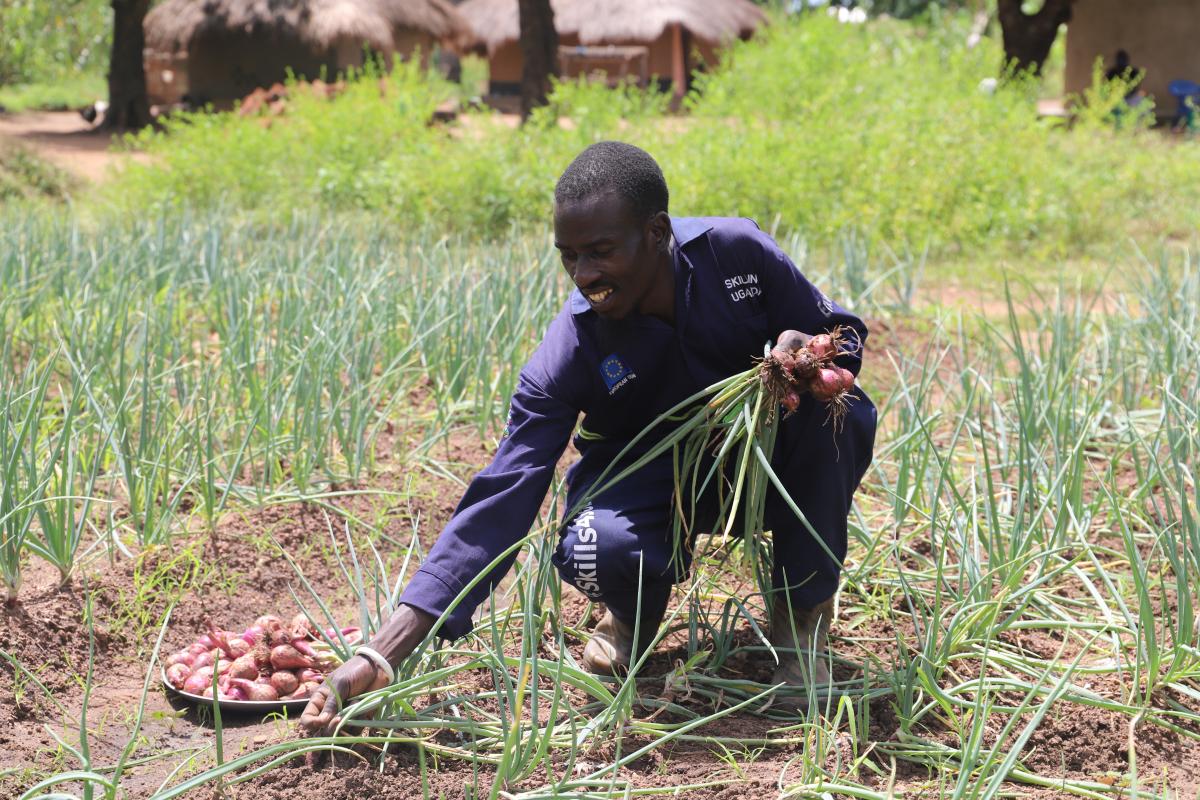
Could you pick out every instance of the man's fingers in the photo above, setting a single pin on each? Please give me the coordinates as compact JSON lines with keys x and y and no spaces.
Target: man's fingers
{"x":316,"y":704}
{"x":319,"y":719}
{"x":321,"y":716}
{"x":320,"y":709}
{"x":331,"y":724}
{"x":792,"y":340}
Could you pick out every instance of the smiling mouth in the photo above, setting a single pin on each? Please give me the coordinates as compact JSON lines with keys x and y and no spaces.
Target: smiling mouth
{"x":598,"y":297}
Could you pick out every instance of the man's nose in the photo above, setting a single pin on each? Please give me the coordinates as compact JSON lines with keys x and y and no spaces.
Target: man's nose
{"x":585,"y":271}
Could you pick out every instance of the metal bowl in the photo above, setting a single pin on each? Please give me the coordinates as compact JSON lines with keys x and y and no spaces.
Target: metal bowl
{"x":235,"y":706}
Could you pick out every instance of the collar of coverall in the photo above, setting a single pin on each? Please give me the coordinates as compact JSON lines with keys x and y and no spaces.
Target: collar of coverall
{"x":683,"y":230}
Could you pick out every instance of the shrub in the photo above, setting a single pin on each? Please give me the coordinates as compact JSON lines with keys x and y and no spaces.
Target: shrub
{"x":815,"y":127}
{"x":44,"y":42}
{"x":24,"y":176}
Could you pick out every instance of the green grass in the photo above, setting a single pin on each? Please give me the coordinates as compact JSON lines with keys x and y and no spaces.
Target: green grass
{"x":58,"y":94}
{"x":878,"y":129}
{"x":24,"y":177}
{"x":46,"y":42}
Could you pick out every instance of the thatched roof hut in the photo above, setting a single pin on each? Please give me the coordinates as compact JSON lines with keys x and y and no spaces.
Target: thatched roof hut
{"x":227,"y":48}
{"x":674,"y":31}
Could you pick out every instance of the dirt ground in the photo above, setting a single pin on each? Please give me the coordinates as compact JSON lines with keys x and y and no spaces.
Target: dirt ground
{"x":46,"y":632}
{"x":66,"y":140}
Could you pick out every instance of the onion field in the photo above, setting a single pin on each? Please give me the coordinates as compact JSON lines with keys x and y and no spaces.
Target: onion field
{"x":206,"y":420}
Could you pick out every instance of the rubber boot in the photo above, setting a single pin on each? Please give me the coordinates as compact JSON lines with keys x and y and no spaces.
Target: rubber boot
{"x":800,"y":638}
{"x":610,"y":649}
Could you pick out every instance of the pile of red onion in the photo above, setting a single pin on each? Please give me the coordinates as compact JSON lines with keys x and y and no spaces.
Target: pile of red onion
{"x":267,"y":661}
{"x":799,"y":364}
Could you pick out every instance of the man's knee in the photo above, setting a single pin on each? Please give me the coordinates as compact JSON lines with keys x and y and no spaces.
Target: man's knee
{"x":600,"y":553}
{"x":578,"y":554}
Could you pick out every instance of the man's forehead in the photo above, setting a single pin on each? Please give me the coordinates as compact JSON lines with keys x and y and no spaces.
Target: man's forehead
{"x":607,"y":210}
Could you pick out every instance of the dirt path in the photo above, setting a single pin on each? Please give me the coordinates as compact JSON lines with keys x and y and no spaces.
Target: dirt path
{"x":65,"y":140}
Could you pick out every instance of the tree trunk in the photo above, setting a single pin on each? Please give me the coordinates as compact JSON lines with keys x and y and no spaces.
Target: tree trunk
{"x":539,"y":52}
{"x":1029,"y":37}
{"x":128,"y":105}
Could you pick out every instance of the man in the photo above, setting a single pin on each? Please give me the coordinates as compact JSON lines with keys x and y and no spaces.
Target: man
{"x":1124,"y":71}
{"x":663,"y":307}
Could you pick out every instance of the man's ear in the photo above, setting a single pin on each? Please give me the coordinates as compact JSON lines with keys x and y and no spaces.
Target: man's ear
{"x":660,"y":230}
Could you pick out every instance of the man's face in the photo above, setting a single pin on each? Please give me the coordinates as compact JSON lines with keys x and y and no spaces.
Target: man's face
{"x":611,"y":256}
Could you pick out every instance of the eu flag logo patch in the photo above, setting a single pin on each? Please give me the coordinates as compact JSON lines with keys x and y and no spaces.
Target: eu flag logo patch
{"x":614,"y":372}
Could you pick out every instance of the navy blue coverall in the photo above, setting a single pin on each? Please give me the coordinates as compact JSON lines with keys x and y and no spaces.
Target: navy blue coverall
{"x":735,"y":290}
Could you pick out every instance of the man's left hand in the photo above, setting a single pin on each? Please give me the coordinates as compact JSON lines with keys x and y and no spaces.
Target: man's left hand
{"x":791,"y":341}
{"x":822,"y":387}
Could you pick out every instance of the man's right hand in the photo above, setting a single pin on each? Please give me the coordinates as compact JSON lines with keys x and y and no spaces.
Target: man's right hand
{"x":358,"y":675}
{"x":395,"y":641}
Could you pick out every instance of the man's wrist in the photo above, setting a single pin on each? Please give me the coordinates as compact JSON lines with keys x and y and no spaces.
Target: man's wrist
{"x":401,"y":634}
{"x":382,"y":665}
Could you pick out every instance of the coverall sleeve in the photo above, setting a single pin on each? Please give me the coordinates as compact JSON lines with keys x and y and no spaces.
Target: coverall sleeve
{"x":498,"y":508}
{"x":794,"y":303}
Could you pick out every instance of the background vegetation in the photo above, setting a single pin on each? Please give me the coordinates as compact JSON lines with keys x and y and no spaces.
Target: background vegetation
{"x":882,"y":129}
{"x":248,"y":320}
{"x":53,"y":54}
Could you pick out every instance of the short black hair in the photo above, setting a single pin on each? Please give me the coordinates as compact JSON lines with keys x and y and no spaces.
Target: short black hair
{"x":617,"y":167}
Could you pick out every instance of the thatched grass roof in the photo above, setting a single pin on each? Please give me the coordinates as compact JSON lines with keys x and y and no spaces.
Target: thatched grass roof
{"x":171,"y":26}
{"x":495,"y":22}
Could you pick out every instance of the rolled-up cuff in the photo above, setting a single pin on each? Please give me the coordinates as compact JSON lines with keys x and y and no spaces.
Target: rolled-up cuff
{"x":432,"y":592}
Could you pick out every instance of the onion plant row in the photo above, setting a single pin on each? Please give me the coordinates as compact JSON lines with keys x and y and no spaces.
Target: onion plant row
{"x":190,"y":363}
{"x":1025,"y":546}
{"x":187,"y":365}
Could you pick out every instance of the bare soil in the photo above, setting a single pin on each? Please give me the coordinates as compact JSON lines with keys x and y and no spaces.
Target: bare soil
{"x":66,"y":140}
{"x":46,"y":633}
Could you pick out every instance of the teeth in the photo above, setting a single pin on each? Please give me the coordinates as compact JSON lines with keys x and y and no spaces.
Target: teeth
{"x":599,"y":297}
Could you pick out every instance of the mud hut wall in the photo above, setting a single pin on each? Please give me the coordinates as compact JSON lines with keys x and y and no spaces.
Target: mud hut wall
{"x":166,"y":76}
{"x":351,"y":53}
{"x":348,"y":53}
{"x":412,"y":43}
{"x":1161,"y":38}
{"x":696,"y":54}
{"x":504,"y":64}
{"x":504,"y":69}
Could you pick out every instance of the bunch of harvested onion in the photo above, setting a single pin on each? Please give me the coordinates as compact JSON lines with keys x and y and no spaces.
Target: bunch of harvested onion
{"x":267,"y":661}
{"x":723,"y":437}
{"x":795,"y":366}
